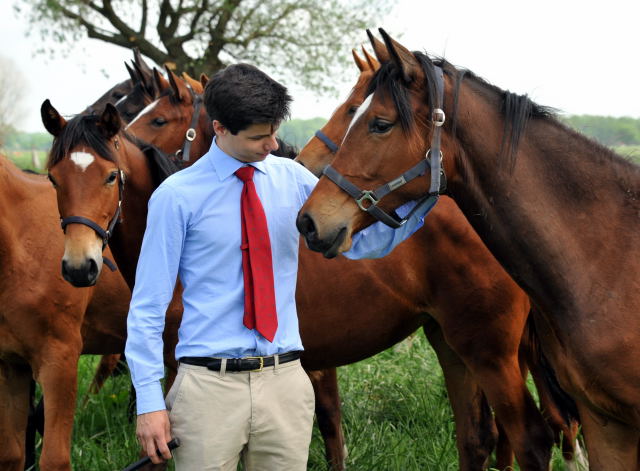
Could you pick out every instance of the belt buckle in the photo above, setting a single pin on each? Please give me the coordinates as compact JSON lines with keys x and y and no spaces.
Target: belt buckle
{"x":261,"y":362}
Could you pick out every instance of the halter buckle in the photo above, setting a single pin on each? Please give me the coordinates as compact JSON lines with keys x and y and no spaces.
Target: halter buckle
{"x":190,"y":135}
{"x":438,"y":117}
{"x":367,"y":195}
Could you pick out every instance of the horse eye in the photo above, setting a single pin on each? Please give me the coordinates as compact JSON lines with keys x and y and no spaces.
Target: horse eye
{"x":112,"y":177}
{"x":377,"y":126}
{"x":159,"y":121}
{"x":352,"y":110}
{"x":53,"y":182}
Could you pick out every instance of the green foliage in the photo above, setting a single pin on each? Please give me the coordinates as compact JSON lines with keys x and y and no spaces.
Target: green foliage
{"x":18,"y":140}
{"x":300,"y":40}
{"x":607,"y":130}
{"x":297,"y":132}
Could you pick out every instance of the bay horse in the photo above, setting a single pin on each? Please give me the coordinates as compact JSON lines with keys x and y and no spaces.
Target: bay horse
{"x":556,"y":209}
{"x":319,"y":152}
{"x":45,"y":324}
{"x":399,"y":315}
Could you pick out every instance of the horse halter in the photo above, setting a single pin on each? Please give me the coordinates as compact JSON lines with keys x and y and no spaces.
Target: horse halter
{"x":191,"y":133}
{"x":105,"y":235}
{"x":367,"y":200}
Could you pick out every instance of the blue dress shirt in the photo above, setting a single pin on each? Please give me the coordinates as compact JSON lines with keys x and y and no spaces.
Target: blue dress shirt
{"x":193,"y":233}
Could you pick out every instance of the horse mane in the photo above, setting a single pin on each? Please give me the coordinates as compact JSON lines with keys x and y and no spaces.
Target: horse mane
{"x":516,"y":109}
{"x":83,"y":129}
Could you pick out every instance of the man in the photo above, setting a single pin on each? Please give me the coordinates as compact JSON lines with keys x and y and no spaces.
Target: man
{"x":226,"y":227}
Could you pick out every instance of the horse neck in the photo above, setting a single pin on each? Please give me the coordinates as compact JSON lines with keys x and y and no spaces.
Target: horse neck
{"x":127,"y":237}
{"x":28,"y":202}
{"x":560,"y":205}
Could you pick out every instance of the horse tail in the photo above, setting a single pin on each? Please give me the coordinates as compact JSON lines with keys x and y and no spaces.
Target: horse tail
{"x":107,"y":367}
{"x":557,"y":407}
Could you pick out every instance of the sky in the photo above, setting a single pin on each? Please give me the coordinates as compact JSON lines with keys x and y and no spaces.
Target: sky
{"x":579,"y":57}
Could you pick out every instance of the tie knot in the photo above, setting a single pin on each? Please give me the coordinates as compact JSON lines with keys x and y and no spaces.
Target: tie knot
{"x":245,"y":173}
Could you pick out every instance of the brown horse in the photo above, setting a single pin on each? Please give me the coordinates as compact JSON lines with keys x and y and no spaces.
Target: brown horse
{"x":532,"y":188}
{"x":45,"y":324}
{"x":319,"y":152}
{"x":501,"y":295}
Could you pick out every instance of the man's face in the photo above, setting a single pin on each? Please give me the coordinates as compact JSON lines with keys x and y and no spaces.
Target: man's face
{"x":252,"y":144}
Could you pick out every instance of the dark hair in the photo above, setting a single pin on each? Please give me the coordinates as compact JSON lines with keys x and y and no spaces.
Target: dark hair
{"x":242,"y":95}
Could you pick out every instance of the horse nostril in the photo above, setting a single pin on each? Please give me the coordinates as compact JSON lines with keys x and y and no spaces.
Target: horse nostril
{"x":306,"y":226}
{"x":93,"y":269}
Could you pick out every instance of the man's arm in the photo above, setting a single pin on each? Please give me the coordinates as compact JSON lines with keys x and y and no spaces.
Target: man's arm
{"x":155,"y":281}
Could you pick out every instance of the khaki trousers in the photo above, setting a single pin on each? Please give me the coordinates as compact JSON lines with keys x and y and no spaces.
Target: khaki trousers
{"x":263,"y":417}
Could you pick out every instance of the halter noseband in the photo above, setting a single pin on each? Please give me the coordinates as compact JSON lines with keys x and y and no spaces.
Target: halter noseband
{"x":367,"y":200}
{"x":105,"y":235}
{"x":191,"y":133}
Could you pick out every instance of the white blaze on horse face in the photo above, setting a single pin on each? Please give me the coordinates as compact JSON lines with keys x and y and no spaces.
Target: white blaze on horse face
{"x":359,"y":112}
{"x":82,"y":159}
{"x":146,"y":110}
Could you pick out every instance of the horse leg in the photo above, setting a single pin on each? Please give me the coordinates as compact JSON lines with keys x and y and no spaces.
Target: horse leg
{"x":516,"y":410}
{"x":611,"y":445}
{"x":14,"y":397}
{"x":57,"y":375}
{"x":476,"y":433}
{"x":325,"y":385}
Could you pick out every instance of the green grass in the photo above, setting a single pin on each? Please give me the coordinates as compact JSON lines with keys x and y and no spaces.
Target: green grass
{"x":396,"y":417}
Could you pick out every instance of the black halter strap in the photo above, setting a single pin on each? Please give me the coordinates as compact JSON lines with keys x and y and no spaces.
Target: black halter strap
{"x":105,"y":235}
{"x":333,"y":147}
{"x":367,"y":200}
{"x":191,"y":133}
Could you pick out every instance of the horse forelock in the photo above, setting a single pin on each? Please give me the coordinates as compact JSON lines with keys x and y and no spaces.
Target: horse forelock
{"x":80,"y":131}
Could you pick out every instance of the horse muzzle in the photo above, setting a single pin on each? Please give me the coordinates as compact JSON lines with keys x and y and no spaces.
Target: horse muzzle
{"x":83,"y":275}
{"x":329,"y":245}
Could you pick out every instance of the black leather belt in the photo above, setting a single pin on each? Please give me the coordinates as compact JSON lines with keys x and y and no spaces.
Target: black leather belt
{"x":240,"y":364}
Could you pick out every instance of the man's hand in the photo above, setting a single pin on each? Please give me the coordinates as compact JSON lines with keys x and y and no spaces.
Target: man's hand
{"x":153,"y":432}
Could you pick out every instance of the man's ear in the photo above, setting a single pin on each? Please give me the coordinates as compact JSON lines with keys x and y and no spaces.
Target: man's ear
{"x":219,"y":128}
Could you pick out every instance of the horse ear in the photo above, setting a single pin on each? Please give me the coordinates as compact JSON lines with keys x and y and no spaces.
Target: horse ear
{"x":379,"y":49}
{"x":145,"y":80}
{"x":110,"y":122}
{"x":53,"y":122}
{"x":193,"y":83}
{"x":175,"y":87}
{"x":373,"y":63}
{"x":403,"y":58}
{"x":161,"y":83}
{"x":204,"y":79}
{"x":142,"y":65}
{"x":361,"y":64}
{"x":132,"y":74}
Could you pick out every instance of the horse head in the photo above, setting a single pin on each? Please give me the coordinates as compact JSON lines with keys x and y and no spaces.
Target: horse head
{"x":176,"y":121}
{"x":390,"y":133}
{"x":320,"y":150}
{"x":84,"y":169}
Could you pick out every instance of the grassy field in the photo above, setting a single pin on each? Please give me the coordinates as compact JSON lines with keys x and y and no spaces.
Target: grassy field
{"x":395,"y":413}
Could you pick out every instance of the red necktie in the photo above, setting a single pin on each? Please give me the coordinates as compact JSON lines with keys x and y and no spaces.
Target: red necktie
{"x":257,"y":268}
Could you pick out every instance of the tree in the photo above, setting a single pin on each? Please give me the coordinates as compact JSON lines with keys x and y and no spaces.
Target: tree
{"x":12,"y":85}
{"x":300,"y":40}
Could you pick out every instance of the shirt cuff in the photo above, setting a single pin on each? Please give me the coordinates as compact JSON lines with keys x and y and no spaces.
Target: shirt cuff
{"x":149,"y":398}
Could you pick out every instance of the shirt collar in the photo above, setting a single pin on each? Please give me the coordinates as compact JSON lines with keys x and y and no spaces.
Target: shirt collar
{"x":225,"y":165}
